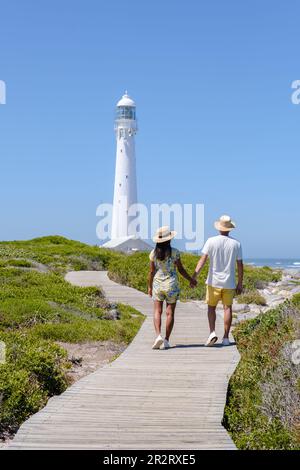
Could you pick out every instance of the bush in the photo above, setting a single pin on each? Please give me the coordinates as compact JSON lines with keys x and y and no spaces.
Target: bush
{"x":39,"y":308}
{"x":251,"y":297}
{"x":261,"y":343}
{"x":80,"y":330}
{"x":20,"y":396}
{"x":57,"y":253}
{"x":132,"y":270}
{"x":258,"y":278}
{"x":34,"y":371}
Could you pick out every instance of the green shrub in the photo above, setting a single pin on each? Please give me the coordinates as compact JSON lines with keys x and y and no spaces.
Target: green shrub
{"x":39,"y":308}
{"x":21,"y":396}
{"x":30,"y":293}
{"x":80,"y":330}
{"x":132,"y":270}
{"x":22,"y":263}
{"x":258,"y":278}
{"x":57,"y":253}
{"x":16,"y":312}
{"x":251,"y":297}
{"x":34,"y":370}
{"x":260,"y":342}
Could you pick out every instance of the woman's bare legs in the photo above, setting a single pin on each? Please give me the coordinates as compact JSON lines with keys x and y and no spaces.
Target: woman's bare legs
{"x":158,"y":308}
{"x":170,"y":311}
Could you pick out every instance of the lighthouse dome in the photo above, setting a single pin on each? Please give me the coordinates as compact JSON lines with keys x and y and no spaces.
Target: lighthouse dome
{"x":126,"y":101}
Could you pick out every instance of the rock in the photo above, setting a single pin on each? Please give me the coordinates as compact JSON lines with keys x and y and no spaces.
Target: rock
{"x":274,"y":291}
{"x":284,"y":293}
{"x":255,"y":310}
{"x":277,"y":298}
{"x":242,"y":317}
{"x":252,"y":315}
{"x":295,"y":290}
{"x":264,"y":309}
{"x":112,"y":306}
{"x":273,"y":284}
{"x":275,"y":303}
{"x":240,"y":308}
{"x":266,"y":292}
{"x":112,"y":314}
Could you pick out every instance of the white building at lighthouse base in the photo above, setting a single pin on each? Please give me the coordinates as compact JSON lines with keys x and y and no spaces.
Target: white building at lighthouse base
{"x":129,"y":244}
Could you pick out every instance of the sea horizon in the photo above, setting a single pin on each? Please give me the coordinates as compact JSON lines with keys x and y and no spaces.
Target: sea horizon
{"x":279,"y":263}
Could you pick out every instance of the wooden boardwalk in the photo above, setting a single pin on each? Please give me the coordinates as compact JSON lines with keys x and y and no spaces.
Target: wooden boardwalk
{"x":145,"y":399}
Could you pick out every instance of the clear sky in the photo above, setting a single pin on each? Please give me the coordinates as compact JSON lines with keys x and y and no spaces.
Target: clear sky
{"x":212,"y":83}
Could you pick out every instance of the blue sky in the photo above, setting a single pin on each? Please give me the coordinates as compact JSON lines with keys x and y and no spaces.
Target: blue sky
{"x":212,"y":82}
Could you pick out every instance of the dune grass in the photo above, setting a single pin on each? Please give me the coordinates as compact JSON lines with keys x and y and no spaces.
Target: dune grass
{"x":37,"y":309}
{"x":262,"y":410}
{"x":133,"y":271}
{"x":252,"y":296}
{"x":60,"y":255}
{"x":57,"y":253}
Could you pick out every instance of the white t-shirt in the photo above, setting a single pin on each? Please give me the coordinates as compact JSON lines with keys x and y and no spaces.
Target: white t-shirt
{"x":223,"y":253}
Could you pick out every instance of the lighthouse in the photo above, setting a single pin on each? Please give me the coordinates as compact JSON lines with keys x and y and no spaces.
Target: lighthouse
{"x":125,"y":190}
{"x":123,"y":234}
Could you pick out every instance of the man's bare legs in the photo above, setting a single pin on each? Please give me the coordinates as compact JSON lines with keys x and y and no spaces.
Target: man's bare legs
{"x":170,"y":312}
{"x":227,"y":319}
{"x":158,"y":308}
{"x":211,"y":313}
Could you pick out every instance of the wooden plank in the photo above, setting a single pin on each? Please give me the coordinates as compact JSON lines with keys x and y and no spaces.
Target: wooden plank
{"x":145,"y":399}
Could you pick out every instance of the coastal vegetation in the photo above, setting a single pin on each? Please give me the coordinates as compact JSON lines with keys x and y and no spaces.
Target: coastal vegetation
{"x":263,"y":402}
{"x":54,"y":253}
{"x":57,"y":254}
{"x":38,"y":309}
{"x":133,"y":271}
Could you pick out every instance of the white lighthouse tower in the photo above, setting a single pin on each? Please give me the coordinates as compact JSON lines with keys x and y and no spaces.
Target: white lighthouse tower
{"x":125,"y":192}
{"x":123,"y":236}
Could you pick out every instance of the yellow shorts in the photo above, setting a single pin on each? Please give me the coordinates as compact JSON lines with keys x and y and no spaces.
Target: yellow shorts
{"x":215,"y":294}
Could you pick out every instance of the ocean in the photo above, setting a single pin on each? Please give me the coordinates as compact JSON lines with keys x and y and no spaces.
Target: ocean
{"x":279,"y":263}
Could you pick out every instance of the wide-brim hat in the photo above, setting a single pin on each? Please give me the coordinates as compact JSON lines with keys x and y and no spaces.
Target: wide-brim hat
{"x":163,"y":234}
{"x":224,"y":224}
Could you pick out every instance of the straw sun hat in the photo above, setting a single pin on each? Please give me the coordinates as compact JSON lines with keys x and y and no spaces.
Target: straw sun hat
{"x":163,"y":234}
{"x":224,"y":224}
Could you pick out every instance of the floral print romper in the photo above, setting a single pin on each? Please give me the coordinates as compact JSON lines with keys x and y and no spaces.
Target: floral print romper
{"x":165,"y":282}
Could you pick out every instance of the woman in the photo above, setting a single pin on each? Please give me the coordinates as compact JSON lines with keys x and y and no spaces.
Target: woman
{"x":163,"y":282}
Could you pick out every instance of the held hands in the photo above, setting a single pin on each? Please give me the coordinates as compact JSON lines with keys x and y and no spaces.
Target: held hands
{"x":193,"y":283}
{"x":150,"y":291}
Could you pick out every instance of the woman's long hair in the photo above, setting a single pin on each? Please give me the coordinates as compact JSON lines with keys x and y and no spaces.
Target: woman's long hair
{"x":163,"y":250}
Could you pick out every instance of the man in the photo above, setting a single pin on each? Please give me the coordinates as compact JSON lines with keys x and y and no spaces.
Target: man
{"x":224,"y":254}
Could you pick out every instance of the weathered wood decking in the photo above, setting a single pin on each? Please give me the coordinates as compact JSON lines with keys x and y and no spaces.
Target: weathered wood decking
{"x":145,"y":399}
